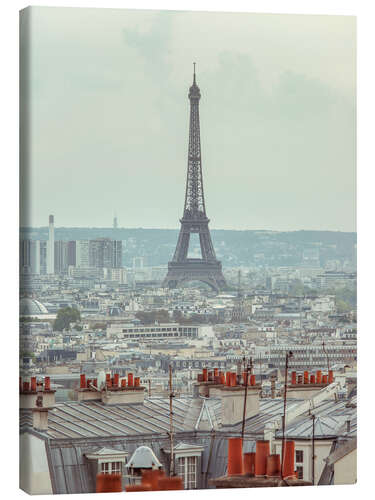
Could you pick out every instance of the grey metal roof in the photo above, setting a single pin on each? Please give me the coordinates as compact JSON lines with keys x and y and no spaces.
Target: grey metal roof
{"x":90,"y":419}
{"x":80,"y":428}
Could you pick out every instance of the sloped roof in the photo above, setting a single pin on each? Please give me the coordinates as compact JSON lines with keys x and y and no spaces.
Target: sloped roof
{"x":343,"y":449}
{"x":107,"y":451}
{"x":325,"y":427}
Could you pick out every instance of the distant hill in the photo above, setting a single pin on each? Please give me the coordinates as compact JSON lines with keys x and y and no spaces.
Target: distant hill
{"x":232,"y":247}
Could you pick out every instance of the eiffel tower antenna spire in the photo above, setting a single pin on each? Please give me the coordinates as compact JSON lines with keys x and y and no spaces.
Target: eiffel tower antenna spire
{"x":194,"y":218}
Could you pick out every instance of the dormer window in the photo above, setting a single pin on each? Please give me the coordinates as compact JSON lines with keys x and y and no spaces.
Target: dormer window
{"x":110,"y":468}
{"x":109,"y":461}
{"x":186,"y":458}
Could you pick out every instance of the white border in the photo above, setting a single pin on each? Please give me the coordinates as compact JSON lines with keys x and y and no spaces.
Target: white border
{"x":9,"y":248}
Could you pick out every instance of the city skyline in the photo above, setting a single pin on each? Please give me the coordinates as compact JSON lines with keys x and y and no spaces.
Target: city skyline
{"x":277,"y":119}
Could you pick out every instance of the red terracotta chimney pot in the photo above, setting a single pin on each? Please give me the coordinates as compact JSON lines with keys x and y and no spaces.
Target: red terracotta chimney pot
{"x":249,"y":463}
{"x":47,"y":383}
{"x":288,"y":462}
{"x":235,"y":459}
{"x":261,"y":454}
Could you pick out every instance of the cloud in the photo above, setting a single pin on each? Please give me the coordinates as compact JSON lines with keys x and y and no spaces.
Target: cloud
{"x":110,"y":112}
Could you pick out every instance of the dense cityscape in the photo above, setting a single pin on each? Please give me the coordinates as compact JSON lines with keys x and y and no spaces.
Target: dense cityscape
{"x":155,"y":359}
{"x":89,"y":314}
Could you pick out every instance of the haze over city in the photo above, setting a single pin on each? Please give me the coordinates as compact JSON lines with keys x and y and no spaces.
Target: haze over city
{"x":109,"y":118}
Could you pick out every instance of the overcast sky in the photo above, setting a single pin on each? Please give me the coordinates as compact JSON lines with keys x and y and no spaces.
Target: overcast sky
{"x":109,"y":118}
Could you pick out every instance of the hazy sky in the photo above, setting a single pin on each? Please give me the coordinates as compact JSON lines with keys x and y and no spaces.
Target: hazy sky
{"x":109,"y":118}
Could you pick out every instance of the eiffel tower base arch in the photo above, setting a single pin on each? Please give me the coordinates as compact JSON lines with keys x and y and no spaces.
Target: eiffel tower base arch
{"x":195,"y":270}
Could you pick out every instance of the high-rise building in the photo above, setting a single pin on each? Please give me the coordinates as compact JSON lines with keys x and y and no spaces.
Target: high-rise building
{"x":43,"y":257}
{"x":61,"y":257}
{"x":72,"y":253}
{"x":82,"y":253}
{"x":105,"y":253}
{"x":117,"y":254}
{"x":30,"y":256}
{"x":51,"y":247}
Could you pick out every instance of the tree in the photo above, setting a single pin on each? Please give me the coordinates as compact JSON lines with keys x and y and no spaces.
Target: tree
{"x":64,"y":317}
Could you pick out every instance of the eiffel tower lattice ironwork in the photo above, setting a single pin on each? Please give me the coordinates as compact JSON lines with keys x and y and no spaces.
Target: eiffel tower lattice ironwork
{"x":194,"y":220}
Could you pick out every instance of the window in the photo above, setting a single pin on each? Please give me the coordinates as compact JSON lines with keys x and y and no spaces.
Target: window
{"x":187,"y":469}
{"x":110,"y":468}
{"x":299,"y":456}
{"x":299,"y":471}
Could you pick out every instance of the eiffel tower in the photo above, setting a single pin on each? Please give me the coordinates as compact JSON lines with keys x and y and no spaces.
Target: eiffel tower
{"x":194,"y":220}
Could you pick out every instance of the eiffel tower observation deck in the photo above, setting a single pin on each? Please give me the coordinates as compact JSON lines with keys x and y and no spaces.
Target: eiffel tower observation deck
{"x":194,"y":220}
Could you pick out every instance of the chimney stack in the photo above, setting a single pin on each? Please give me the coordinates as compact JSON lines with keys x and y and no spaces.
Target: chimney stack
{"x":232,"y":398}
{"x":40,"y":415}
{"x":30,"y":390}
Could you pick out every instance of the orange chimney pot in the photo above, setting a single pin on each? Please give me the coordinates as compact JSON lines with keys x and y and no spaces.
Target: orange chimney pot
{"x":235,"y":459}
{"x":261,"y":454}
{"x":288,"y":462}
{"x":249,"y":463}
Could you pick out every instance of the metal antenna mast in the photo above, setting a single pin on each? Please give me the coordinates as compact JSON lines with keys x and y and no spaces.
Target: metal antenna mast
{"x":287,"y":356}
{"x":171,"y":395}
{"x":247,"y":371}
{"x":326,"y":353}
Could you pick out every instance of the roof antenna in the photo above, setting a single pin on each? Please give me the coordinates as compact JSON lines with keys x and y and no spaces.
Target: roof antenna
{"x":171,"y":396}
{"x":194,"y":71}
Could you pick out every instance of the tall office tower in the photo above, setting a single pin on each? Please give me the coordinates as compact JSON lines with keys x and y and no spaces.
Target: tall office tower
{"x":194,"y":220}
{"x":51,"y":247}
{"x":24,"y":256}
{"x":30,"y":256}
{"x":82,"y":253}
{"x":117,"y":254}
{"x":61,"y":257}
{"x":115,"y":225}
{"x":71,"y":253}
{"x":43,"y":257}
{"x":35,"y":257}
{"x":104,"y":252}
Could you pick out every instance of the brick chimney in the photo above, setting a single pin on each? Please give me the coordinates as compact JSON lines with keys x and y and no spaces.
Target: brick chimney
{"x":232,"y":400}
{"x":31,"y":389}
{"x":112,"y":391}
{"x":40,"y":415}
{"x":126,"y":391}
{"x":88,"y":389}
{"x":305,"y":387}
